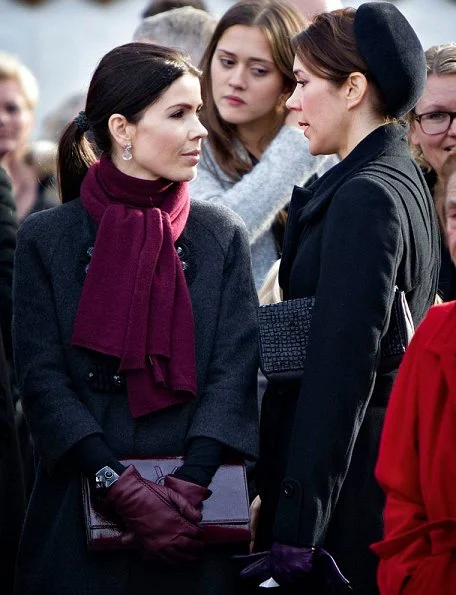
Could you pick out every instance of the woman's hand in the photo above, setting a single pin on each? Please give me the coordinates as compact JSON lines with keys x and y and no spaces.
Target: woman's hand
{"x":254,"y":511}
{"x":163,"y":522}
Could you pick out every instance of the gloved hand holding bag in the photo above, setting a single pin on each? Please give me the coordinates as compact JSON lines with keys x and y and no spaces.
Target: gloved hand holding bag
{"x":163,"y":521}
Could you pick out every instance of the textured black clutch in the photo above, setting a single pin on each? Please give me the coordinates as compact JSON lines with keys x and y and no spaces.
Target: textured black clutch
{"x":284,"y":330}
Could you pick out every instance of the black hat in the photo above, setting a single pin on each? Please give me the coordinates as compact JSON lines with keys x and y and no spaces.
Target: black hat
{"x":393,"y":54}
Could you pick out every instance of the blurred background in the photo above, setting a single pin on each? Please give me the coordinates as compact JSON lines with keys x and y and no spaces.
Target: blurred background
{"x":61,"y":41}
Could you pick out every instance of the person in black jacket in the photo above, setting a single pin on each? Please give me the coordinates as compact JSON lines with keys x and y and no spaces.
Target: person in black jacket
{"x":12,"y":491}
{"x":362,"y":229}
{"x":8,"y":227}
{"x":12,"y":495}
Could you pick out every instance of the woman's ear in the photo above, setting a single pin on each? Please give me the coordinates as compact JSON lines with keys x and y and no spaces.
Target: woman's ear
{"x":413,"y":134}
{"x":121,"y":130}
{"x":356,"y":87}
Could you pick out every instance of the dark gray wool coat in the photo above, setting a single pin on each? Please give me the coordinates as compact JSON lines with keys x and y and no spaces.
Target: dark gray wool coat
{"x":69,"y":393}
{"x":364,"y":227}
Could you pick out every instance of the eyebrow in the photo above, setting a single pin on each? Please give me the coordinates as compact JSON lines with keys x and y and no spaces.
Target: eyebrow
{"x":435,"y":107}
{"x":251,"y":58}
{"x":183,"y":105}
{"x":298,"y":71}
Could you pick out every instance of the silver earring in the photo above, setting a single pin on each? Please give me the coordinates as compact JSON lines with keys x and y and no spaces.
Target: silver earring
{"x":126,"y":155}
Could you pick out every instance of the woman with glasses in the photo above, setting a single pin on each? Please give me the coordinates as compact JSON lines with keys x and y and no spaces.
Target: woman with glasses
{"x":433,"y":136}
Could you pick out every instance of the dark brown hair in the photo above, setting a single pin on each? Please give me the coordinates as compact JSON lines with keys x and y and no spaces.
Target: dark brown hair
{"x":327,"y":47}
{"x":127,"y":80}
{"x":279,"y":22}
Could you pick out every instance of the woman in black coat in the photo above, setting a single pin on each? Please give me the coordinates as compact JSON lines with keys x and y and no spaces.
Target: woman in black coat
{"x":364,"y":228}
{"x":134,"y":336}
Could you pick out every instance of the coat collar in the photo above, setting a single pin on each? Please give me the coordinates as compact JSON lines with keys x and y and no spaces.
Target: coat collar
{"x":389,"y":138}
{"x":311,"y":200}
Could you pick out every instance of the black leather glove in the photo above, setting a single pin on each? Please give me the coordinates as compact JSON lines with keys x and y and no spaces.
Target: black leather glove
{"x":192,"y":492}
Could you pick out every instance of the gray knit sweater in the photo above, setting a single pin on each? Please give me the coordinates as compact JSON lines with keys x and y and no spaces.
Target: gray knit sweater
{"x":261,"y":193}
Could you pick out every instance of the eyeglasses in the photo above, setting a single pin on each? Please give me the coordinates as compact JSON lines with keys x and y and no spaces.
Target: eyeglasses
{"x":435,"y":122}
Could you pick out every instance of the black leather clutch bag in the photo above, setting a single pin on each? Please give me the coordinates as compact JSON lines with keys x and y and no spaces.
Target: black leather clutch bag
{"x":284,"y":330}
{"x":225,"y":512}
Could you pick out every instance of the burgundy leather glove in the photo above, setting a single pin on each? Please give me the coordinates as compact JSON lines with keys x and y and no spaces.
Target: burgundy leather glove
{"x":292,"y":566}
{"x":192,"y":492}
{"x":164,"y":522}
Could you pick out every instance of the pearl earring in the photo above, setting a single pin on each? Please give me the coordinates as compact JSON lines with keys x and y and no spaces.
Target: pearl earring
{"x":126,"y":155}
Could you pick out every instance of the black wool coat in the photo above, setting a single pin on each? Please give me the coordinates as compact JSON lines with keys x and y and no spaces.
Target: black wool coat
{"x":363,"y":228}
{"x":69,"y":393}
{"x":8,"y":227}
{"x":12,"y":489}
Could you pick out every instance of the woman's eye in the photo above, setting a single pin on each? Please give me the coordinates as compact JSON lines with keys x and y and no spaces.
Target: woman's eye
{"x":301,"y":83}
{"x":177,"y":115}
{"x":260,"y":71}
{"x":12,"y":108}
{"x":436,"y":116}
{"x":226,"y":62}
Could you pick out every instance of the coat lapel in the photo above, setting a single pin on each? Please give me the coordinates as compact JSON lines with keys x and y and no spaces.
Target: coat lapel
{"x":312,"y":200}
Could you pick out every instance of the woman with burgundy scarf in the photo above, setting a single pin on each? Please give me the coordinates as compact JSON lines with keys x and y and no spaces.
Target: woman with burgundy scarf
{"x":134,"y":335}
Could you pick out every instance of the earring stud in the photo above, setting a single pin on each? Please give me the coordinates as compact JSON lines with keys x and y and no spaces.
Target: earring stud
{"x":126,"y":155}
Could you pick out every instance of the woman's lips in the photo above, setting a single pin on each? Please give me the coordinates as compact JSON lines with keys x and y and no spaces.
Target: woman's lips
{"x":234,"y":100}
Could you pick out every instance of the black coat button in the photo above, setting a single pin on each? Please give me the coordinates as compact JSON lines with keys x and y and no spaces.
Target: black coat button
{"x":288,"y":489}
{"x":117,"y":379}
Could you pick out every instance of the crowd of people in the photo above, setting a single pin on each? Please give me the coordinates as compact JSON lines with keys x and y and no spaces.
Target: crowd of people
{"x":284,"y":153}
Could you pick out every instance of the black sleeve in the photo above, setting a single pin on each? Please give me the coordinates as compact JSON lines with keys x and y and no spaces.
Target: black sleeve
{"x":91,"y":454}
{"x":6,"y":403}
{"x":8,"y":227}
{"x":202,"y":459}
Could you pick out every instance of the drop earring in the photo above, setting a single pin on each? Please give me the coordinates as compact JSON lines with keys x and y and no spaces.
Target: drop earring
{"x":126,"y":155}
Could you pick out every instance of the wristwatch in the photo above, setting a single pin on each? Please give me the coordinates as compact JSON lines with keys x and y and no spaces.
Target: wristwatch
{"x":105,"y":477}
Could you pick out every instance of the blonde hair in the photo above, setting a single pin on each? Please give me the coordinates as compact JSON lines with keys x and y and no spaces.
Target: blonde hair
{"x":270,"y":292}
{"x":441,"y":61}
{"x":12,"y":69}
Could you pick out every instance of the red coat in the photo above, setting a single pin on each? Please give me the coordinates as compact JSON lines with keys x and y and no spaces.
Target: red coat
{"x":417,"y":465}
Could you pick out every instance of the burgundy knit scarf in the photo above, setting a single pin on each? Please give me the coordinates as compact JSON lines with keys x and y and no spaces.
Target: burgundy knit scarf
{"x":135,"y":303}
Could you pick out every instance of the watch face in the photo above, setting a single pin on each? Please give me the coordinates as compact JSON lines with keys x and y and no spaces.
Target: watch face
{"x":105,"y":477}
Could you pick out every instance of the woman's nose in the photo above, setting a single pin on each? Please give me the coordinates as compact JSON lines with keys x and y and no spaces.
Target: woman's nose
{"x":238,"y":78}
{"x":452,"y":129}
{"x":199,"y":131}
{"x":292,"y":102}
